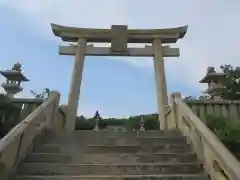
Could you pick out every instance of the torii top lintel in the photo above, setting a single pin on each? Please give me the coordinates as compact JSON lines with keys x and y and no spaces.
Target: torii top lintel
{"x":72,"y":34}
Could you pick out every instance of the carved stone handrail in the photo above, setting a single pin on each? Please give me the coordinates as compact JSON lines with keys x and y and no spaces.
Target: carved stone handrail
{"x":218,"y":161}
{"x":208,"y":101}
{"x":19,"y":141}
{"x":229,"y":110}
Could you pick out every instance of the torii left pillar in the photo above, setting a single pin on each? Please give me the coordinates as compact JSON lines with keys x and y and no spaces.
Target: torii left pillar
{"x":160,"y":78}
{"x":75,"y":86}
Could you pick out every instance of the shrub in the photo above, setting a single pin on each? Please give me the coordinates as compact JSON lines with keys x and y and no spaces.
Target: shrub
{"x":85,"y":124}
{"x":227,"y":131}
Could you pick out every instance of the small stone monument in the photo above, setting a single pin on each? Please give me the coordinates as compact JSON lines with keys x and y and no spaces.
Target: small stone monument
{"x":142,"y":124}
{"x":213,"y":79}
{"x":97,"y":118}
{"x":14,"y":78}
{"x":237,"y":71}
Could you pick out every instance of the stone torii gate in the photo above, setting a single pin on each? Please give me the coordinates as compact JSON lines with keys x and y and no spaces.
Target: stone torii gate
{"x":119,"y":36}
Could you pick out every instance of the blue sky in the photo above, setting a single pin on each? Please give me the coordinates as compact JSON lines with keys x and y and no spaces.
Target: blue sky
{"x":118,"y":86}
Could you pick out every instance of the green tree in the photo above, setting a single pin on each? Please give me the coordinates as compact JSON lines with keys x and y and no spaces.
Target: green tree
{"x":43,"y":95}
{"x":83,"y":123}
{"x":151,"y":122}
{"x":133,"y":123}
{"x":231,"y":82}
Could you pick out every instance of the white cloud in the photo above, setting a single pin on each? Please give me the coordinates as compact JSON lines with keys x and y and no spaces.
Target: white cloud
{"x":212,"y":38}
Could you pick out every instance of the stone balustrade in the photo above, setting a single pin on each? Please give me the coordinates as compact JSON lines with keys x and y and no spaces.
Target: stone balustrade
{"x":20,"y":140}
{"x":20,"y":109}
{"x":218,"y":161}
{"x":28,"y":106}
{"x":219,"y":108}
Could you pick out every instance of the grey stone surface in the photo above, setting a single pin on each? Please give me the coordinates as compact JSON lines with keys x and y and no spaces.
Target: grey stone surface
{"x":122,"y":177}
{"x":87,"y":155}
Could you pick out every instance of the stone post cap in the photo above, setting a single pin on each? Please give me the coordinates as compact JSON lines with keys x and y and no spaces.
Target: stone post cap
{"x":52,"y":93}
{"x":176,"y":95}
{"x":63,"y":107}
{"x":17,"y":67}
{"x":237,"y":69}
{"x":211,"y":69}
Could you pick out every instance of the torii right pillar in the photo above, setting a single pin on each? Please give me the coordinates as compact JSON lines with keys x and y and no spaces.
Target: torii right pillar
{"x":159,"y":69}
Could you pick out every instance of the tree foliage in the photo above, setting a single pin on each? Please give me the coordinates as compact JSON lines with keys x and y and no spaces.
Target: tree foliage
{"x":43,"y":95}
{"x":133,"y":122}
{"x":9,"y":114}
{"x":231,"y":83}
{"x":150,"y":122}
{"x":203,"y":96}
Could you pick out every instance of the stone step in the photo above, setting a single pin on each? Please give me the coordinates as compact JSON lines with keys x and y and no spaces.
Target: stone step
{"x":47,"y":148}
{"x":119,"y":147}
{"x":99,"y":136}
{"x":108,"y":169}
{"x":112,"y":158}
{"x":119,"y":177}
{"x":138,"y":140}
{"x":138,"y":158}
{"x":48,"y":157}
{"x":109,"y":149}
{"x":151,"y":133}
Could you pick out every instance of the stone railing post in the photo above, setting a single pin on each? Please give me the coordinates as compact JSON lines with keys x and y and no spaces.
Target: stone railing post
{"x":176,"y":116}
{"x":58,"y":124}
{"x":25,"y":111}
{"x":52,"y":113}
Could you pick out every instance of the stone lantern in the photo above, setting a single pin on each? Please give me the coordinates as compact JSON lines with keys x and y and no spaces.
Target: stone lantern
{"x":237,"y":71}
{"x":142,"y":124}
{"x":97,"y":118}
{"x":14,"y":78}
{"x":213,"y":79}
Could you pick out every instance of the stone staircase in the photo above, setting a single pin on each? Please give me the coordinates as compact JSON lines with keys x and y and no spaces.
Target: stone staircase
{"x":89,"y":155}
